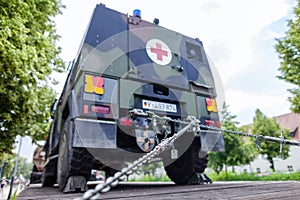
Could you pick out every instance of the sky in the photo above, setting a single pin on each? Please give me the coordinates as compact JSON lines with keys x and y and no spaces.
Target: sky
{"x":238,"y":36}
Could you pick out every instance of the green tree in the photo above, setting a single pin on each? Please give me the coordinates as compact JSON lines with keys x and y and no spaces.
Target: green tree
{"x":288,"y":48}
{"x":25,"y":168}
{"x":28,"y":56}
{"x":268,"y":126}
{"x":8,"y":167}
{"x":237,"y":151}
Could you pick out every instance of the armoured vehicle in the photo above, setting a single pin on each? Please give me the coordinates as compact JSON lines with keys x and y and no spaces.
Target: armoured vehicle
{"x":127,"y":64}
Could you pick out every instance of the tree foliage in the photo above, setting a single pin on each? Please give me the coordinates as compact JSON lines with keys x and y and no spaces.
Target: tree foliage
{"x":28,"y":55}
{"x":268,"y":126}
{"x":237,"y":151}
{"x":288,"y":48}
{"x":7,"y":164}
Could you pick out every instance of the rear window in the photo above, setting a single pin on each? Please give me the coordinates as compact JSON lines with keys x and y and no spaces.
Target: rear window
{"x":193,"y":52}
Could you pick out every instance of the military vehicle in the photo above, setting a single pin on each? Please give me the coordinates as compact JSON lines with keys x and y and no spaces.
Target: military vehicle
{"x":126,"y":64}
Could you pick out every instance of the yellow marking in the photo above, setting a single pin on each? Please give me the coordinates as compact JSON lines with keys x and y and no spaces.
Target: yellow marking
{"x":94,"y":84}
{"x":211,"y":105}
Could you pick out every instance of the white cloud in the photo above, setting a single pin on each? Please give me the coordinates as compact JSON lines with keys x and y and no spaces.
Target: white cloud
{"x":272,"y":34}
{"x":244,"y":104}
{"x":232,"y":26}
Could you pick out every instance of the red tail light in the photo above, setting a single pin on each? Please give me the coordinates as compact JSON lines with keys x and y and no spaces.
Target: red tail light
{"x":218,"y":124}
{"x":85,"y":109}
{"x":100,"y":109}
{"x":208,"y":122}
{"x":126,"y":121}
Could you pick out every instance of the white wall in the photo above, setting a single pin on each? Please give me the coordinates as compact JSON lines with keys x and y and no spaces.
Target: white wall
{"x":280,"y":164}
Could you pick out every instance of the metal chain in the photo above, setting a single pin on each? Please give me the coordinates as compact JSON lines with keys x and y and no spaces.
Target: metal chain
{"x":280,"y":139}
{"x":192,"y":125}
{"x":121,"y":176}
{"x":198,"y":127}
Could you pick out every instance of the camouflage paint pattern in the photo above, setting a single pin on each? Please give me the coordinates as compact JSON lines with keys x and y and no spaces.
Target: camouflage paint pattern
{"x":125,"y":63}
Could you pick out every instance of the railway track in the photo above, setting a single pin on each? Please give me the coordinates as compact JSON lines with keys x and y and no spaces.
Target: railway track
{"x":161,"y":191}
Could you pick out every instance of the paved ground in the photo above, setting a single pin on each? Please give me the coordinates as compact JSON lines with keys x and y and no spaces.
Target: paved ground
{"x":161,"y":191}
{"x":6,"y":191}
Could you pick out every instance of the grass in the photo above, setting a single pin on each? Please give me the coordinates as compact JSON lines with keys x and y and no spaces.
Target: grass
{"x":231,"y":177}
{"x":255,"y":177}
{"x":150,"y":178}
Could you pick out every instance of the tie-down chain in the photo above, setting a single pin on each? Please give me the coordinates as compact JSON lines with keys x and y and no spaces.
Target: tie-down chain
{"x":192,"y":124}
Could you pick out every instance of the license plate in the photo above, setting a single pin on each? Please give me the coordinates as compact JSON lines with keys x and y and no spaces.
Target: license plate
{"x":155,"y":105}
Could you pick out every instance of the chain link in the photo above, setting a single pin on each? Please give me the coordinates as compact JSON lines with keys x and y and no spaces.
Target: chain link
{"x":280,"y":139}
{"x":122,"y":175}
{"x":198,"y":127}
{"x":192,"y":124}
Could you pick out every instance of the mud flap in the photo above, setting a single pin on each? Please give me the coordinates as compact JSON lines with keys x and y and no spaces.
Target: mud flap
{"x":75,"y":183}
{"x":199,"y":179}
{"x":212,"y":141}
{"x":98,"y":134}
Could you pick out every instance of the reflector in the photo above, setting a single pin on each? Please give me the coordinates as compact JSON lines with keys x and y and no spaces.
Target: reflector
{"x":126,"y":121}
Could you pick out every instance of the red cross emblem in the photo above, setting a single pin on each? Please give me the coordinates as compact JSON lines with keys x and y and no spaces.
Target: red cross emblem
{"x":158,"y":51}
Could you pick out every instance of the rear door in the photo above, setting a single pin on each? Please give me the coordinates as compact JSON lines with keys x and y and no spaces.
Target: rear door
{"x":154,"y":54}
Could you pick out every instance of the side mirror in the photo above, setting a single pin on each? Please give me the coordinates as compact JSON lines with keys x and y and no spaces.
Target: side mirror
{"x":53,"y":108}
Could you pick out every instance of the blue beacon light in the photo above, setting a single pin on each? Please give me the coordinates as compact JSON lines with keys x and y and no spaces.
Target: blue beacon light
{"x":137,"y":13}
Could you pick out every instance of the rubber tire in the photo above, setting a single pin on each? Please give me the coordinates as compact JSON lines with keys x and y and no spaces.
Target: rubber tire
{"x":181,"y":170}
{"x":200,"y":162}
{"x":72,"y":161}
{"x":34,"y":177}
{"x":63,"y":158}
{"x":48,"y":181}
{"x":109,"y":172}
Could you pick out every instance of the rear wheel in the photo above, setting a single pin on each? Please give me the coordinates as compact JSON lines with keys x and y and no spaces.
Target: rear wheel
{"x":191,"y":162}
{"x":35,"y":176}
{"x":109,"y":172}
{"x":71,"y":161}
{"x":48,"y":181}
{"x":62,"y":164}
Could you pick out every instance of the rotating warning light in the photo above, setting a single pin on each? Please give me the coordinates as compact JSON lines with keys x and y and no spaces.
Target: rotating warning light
{"x":137,"y":13}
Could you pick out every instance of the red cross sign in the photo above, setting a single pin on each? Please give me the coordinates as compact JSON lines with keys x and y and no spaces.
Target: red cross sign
{"x":159,"y":52}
